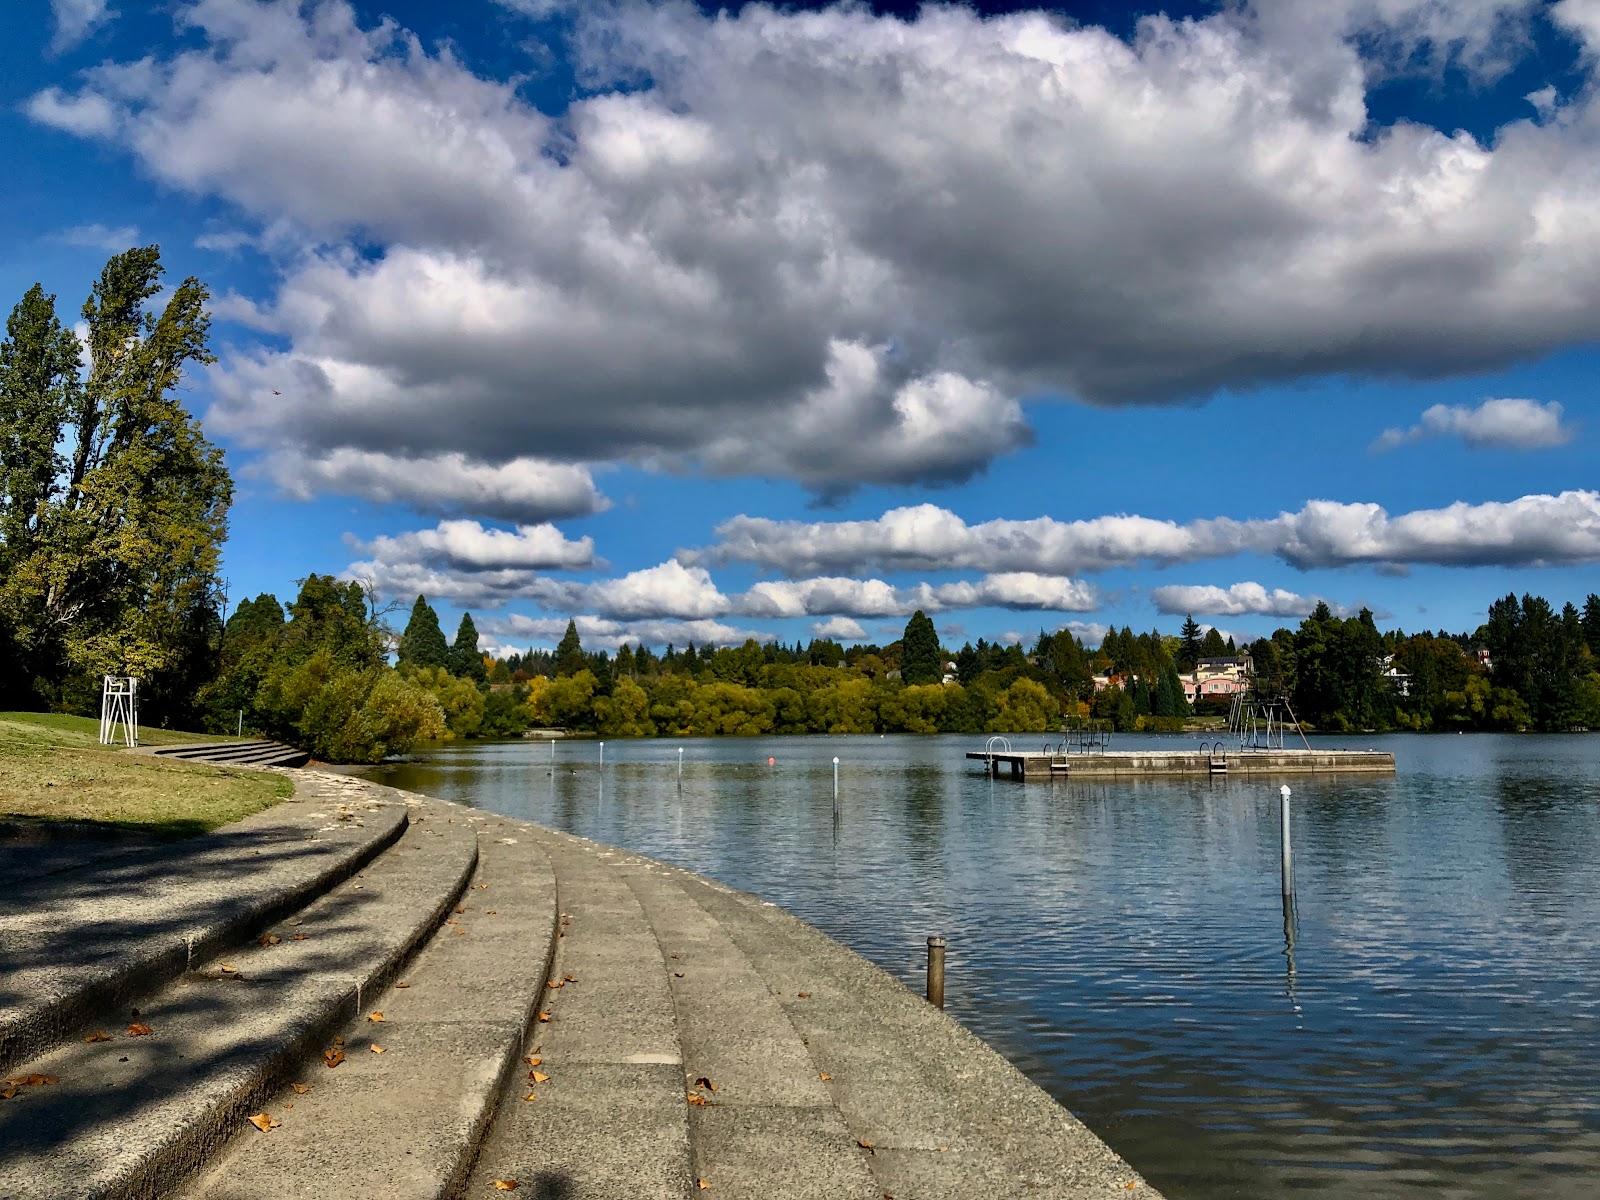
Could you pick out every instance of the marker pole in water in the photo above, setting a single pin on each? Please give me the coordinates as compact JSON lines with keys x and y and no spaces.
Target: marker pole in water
{"x":936,"y":971}
{"x":602,"y":756}
{"x":1288,"y":846}
{"x":835,"y":787}
{"x":552,"y":751}
{"x":680,"y":764}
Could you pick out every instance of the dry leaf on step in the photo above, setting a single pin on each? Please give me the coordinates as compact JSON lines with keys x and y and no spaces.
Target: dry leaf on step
{"x":264,"y":1122}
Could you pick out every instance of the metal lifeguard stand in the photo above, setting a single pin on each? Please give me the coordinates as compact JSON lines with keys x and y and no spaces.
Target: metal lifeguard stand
{"x":119,"y":705}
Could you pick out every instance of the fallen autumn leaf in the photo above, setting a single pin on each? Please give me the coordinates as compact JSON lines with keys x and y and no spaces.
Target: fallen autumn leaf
{"x":138,"y":1030}
{"x":99,"y":1035}
{"x":333,"y":1056}
{"x":506,"y":1185}
{"x":264,"y":1122}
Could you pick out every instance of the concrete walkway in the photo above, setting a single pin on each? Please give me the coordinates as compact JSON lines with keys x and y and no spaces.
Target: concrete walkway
{"x":471,"y":1005}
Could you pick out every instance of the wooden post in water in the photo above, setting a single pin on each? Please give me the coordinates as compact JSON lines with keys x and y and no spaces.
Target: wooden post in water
{"x":936,"y":971}
{"x":1288,"y":845}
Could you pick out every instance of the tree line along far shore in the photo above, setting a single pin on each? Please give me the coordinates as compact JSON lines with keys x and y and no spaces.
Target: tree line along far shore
{"x":113,"y":513}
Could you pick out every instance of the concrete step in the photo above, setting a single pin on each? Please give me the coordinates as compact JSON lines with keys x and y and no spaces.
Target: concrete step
{"x":131,"y":1116}
{"x":769,"y":1126}
{"x":406,"y":1124}
{"x":611,"y":1120}
{"x":210,"y":749}
{"x":76,"y":943}
{"x":946,"y":1115}
{"x":257,"y":753}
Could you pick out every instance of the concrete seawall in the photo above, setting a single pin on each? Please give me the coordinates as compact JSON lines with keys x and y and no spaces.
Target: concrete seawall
{"x":464,"y":1004}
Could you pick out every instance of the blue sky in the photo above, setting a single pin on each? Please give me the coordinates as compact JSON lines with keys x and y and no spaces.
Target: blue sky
{"x":788,"y":321}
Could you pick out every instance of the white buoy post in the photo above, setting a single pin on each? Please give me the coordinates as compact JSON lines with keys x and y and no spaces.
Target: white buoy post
{"x":602,"y":756}
{"x":680,"y":764}
{"x":1288,"y":845}
{"x":552,"y":752}
{"x":835,"y":787}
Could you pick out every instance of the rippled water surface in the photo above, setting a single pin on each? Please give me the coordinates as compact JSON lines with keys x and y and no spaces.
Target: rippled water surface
{"x":1427,"y":1023}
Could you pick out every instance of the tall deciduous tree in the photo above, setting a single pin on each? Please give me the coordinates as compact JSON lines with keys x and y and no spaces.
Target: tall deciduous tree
{"x":115,"y":505}
{"x":422,"y":644}
{"x":919,"y":653}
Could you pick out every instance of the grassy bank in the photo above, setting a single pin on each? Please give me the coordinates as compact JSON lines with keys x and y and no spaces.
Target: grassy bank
{"x":53,"y":769}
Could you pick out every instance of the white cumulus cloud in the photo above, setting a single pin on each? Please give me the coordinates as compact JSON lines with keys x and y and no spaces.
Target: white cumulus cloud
{"x":1533,"y":530}
{"x":1239,"y":599}
{"x":1504,"y":423}
{"x":76,"y":20}
{"x":841,"y":247}
{"x":519,"y":489}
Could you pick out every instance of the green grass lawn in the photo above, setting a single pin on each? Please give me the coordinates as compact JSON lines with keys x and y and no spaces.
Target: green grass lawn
{"x":52,"y":768}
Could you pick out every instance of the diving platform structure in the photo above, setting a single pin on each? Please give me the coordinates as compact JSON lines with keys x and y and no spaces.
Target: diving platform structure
{"x":1264,"y":738}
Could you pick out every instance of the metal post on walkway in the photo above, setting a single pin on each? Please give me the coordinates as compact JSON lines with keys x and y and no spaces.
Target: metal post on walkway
{"x":1288,"y":845}
{"x":936,"y":971}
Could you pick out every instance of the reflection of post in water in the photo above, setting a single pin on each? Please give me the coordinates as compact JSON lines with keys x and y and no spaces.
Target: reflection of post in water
{"x":1289,"y":914}
{"x":1289,"y":924}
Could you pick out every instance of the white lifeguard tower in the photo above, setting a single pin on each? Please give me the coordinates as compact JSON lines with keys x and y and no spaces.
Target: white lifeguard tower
{"x":119,"y":705}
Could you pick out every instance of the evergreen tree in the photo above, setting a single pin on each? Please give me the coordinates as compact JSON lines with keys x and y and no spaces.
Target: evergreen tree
{"x":919,"y":656}
{"x":1189,"y":644}
{"x":569,"y":652}
{"x":466,"y":660}
{"x":423,"y":644}
{"x":1591,"y":624}
{"x":1212,"y":646}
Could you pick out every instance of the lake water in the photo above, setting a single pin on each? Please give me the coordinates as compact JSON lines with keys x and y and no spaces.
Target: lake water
{"x":1429,"y":1023}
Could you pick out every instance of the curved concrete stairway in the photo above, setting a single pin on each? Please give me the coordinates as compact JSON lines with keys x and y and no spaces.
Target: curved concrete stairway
{"x":509,"y":1008}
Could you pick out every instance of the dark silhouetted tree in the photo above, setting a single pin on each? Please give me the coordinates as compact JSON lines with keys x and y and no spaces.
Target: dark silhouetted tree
{"x":423,"y":644}
{"x":919,"y":655}
{"x":465,"y":658}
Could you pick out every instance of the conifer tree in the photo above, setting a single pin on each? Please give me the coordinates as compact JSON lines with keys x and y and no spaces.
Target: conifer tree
{"x":1189,"y":644}
{"x":466,"y":660}
{"x":569,"y":652}
{"x":919,"y":652}
{"x":423,"y":644}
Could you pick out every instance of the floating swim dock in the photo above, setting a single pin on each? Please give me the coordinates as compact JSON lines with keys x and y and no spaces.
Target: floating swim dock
{"x":1214,"y":759}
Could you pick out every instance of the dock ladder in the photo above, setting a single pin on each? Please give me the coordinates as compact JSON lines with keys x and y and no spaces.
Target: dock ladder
{"x":1216,"y":756}
{"x":1060,"y":761}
